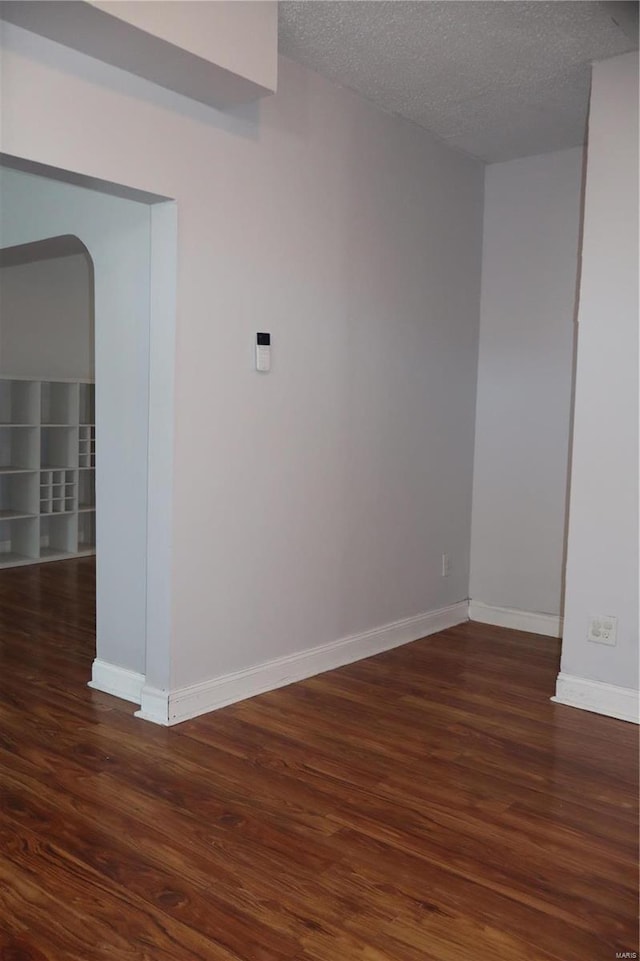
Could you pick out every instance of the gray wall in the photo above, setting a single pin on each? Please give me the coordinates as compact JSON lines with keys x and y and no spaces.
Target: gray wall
{"x":529,"y":273}
{"x":314,"y":502}
{"x":46,"y":319}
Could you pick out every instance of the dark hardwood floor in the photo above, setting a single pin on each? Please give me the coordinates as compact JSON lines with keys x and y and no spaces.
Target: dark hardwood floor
{"x":429,"y":804}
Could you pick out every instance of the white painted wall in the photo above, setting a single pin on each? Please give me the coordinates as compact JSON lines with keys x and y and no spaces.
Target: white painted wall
{"x":313,"y":502}
{"x":117,"y":235}
{"x":219,"y":53}
{"x":239,"y":35}
{"x":602,"y":563}
{"x":46,"y":319}
{"x":529,"y":271}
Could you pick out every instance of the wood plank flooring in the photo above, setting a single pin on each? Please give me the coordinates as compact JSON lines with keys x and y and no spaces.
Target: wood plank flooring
{"x":430,"y":804}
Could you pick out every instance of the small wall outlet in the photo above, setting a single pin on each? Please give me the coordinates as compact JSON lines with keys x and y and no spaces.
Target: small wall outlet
{"x":603,"y":629}
{"x":446,"y":565}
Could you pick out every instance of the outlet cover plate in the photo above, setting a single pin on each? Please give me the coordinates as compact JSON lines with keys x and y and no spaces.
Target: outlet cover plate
{"x":603,"y":629}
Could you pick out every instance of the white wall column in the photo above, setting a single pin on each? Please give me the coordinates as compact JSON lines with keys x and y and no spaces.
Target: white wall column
{"x":602,"y":562}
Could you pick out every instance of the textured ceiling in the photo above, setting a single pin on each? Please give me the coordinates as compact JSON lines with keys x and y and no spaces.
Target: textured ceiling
{"x":497,"y":79}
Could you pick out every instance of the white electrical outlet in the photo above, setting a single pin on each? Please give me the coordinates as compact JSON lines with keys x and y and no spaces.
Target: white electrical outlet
{"x":446,"y":565}
{"x":603,"y":629}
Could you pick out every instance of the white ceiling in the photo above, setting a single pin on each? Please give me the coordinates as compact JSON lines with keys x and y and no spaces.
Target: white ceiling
{"x":497,"y":79}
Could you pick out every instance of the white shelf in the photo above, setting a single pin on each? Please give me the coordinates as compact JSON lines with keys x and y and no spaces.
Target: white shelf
{"x":11,"y":559}
{"x":86,"y":404}
{"x":19,"y":402}
{"x":47,"y":471}
{"x":51,"y":554}
{"x":18,"y":536}
{"x":19,"y":495}
{"x":9,"y":515}
{"x":19,"y":448}
{"x":58,"y":403}
{"x":87,"y":531}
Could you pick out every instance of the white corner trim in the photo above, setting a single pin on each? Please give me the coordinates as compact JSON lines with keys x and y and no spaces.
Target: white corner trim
{"x":610,"y":699}
{"x":154,"y":705}
{"x":168,"y":708}
{"x":116,"y":680}
{"x":535,"y":623}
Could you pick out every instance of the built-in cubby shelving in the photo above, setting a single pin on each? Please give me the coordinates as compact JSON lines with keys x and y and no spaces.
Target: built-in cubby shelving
{"x":47,"y":470}
{"x":87,"y":532}
{"x":86,"y":490}
{"x":86,"y":446}
{"x":87,"y":404}
{"x":19,"y":403}
{"x":18,"y":448}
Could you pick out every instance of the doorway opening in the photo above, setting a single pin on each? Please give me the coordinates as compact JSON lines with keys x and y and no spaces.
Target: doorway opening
{"x":87,"y":321}
{"x":48,"y":442}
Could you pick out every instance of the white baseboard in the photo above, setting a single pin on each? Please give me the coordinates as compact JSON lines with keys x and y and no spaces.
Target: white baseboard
{"x":168,"y":708}
{"x":548,"y":624}
{"x":610,"y":699}
{"x":154,"y":705}
{"x":116,"y":680}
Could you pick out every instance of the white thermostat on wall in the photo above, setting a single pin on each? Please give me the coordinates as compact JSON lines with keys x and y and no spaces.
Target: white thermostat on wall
{"x":263,"y":352}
